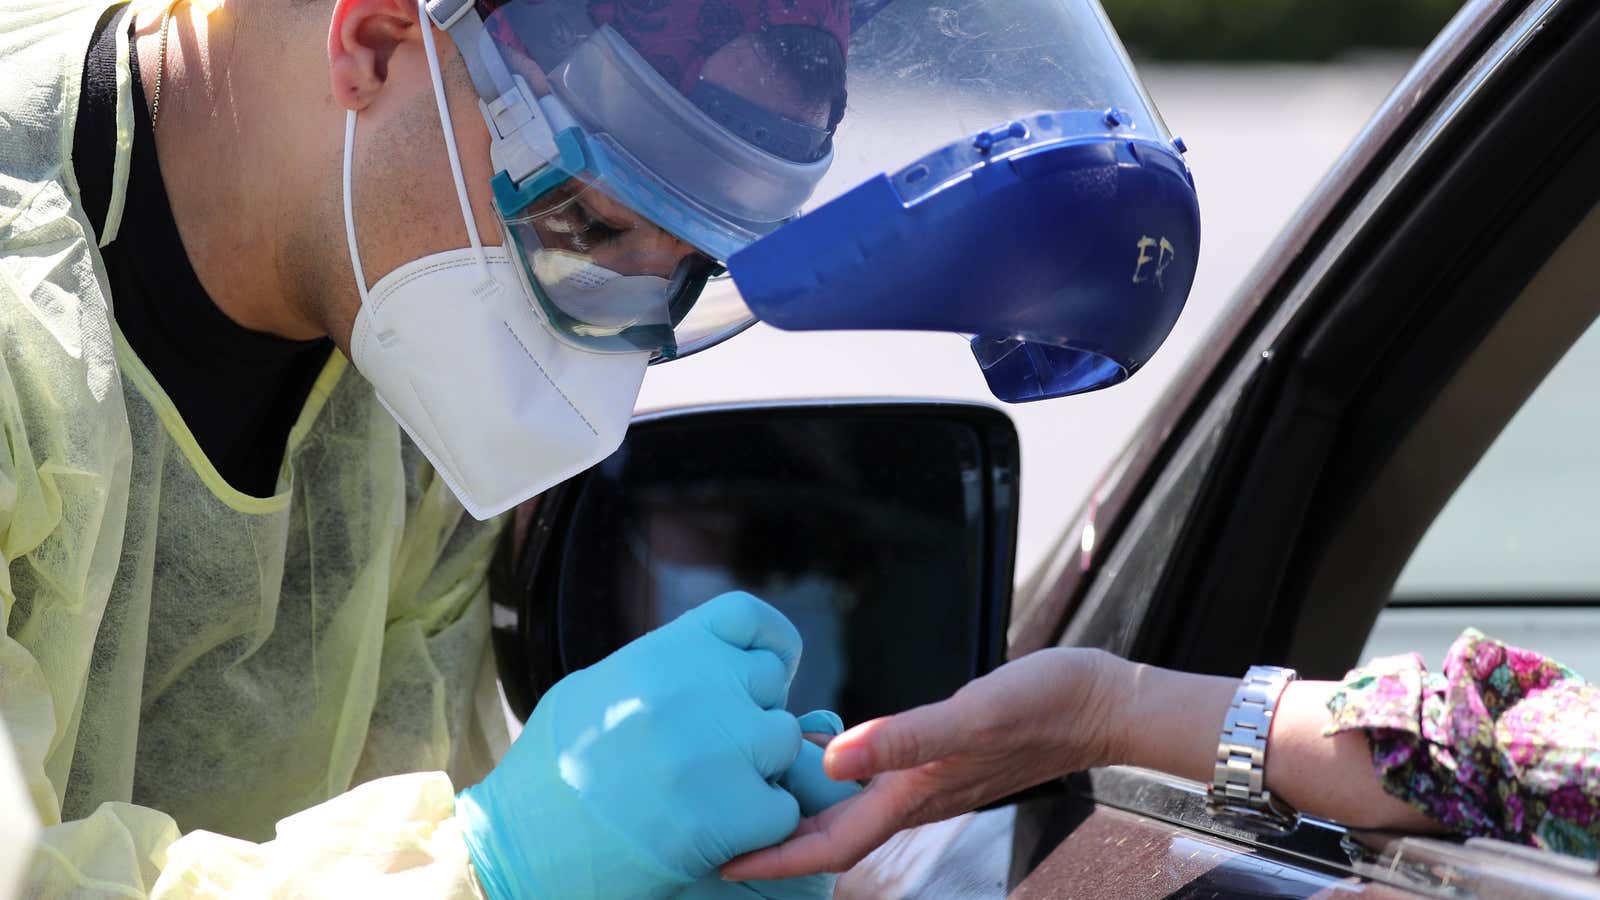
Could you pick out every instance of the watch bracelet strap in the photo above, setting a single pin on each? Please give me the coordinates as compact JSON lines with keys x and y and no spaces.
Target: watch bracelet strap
{"x":1239,"y":779}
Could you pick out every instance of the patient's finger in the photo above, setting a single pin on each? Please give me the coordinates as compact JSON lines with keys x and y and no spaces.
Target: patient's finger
{"x":831,"y":842}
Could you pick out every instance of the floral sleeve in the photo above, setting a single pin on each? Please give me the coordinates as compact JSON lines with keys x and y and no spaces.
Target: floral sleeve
{"x":1504,"y":743}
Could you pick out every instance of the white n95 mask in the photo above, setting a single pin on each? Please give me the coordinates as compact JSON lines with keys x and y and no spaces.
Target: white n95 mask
{"x":500,"y":406}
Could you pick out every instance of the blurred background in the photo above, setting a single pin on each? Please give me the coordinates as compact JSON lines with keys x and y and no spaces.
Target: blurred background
{"x":1266,"y":93}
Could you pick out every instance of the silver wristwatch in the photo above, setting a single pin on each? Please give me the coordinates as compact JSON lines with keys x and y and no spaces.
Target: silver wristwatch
{"x":1238,"y":795}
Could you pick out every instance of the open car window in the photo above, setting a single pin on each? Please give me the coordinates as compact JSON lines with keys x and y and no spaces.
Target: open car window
{"x":1515,"y":552}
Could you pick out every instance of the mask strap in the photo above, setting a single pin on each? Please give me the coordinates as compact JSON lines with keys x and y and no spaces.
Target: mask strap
{"x":349,"y":217}
{"x":450,"y":139}
{"x":455,"y":167}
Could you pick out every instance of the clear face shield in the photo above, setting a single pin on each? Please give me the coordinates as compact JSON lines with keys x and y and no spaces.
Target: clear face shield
{"x":668,"y":173}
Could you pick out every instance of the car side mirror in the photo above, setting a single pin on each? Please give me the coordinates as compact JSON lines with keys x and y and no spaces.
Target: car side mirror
{"x":885,"y":531}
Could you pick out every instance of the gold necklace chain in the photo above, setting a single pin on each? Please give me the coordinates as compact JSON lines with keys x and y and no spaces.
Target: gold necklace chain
{"x":161,"y":64}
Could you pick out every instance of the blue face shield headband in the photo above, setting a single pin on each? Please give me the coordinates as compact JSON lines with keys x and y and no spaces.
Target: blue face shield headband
{"x":1062,"y":240}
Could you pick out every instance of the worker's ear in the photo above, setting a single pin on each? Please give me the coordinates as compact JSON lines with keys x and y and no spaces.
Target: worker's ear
{"x":363,"y":36}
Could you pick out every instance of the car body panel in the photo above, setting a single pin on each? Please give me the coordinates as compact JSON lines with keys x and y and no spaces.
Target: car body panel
{"x":1113,"y":853}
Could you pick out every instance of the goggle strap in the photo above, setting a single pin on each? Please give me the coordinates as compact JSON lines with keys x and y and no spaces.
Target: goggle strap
{"x":450,"y":145}
{"x":507,"y":113}
{"x":522,"y":136}
{"x":490,"y":74}
{"x":446,"y":13}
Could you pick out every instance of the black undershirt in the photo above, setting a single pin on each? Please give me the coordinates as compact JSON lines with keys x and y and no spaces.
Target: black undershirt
{"x":239,"y":391}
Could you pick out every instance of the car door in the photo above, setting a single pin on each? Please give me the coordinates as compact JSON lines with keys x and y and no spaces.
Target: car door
{"x":1266,"y":510}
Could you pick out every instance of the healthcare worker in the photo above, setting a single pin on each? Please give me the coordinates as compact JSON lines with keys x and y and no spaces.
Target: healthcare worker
{"x":246,"y":630}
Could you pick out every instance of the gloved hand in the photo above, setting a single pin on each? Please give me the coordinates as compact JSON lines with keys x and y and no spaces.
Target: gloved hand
{"x":641,"y":774}
{"x":816,"y":792}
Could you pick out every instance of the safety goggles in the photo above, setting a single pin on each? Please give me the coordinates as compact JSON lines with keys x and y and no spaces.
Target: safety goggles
{"x":668,"y":173}
{"x":603,"y":275}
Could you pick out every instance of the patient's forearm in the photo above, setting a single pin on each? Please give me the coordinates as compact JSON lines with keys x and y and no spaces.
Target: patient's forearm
{"x":1173,"y":720}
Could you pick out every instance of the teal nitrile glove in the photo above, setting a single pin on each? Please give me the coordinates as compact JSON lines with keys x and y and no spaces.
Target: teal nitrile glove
{"x":639,"y":775}
{"x":806,"y":780}
{"x":816,"y":792}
